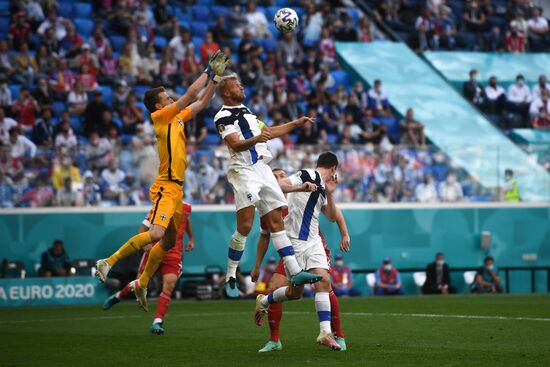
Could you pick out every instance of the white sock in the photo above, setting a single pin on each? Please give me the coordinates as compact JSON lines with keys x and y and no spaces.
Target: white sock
{"x":157,"y":321}
{"x":286,"y":251}
{"x":236,"y":249}
{"x":277,"y":296}
{"x":322,"y":305}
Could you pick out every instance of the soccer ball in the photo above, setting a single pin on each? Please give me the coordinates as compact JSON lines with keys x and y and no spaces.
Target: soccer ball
{"x":286,"y":20}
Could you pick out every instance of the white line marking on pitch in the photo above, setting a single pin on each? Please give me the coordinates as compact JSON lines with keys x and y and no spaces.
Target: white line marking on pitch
{"x":367,"y":314}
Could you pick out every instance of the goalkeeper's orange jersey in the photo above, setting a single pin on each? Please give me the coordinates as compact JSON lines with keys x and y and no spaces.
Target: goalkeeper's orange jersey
{"x":169,"y":130}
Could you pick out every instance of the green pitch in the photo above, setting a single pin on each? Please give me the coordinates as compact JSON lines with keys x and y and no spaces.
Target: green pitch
{"x":407,"y":331}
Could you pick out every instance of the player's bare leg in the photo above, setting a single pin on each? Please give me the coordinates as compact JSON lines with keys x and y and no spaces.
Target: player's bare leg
{"x":245,"y":220}
{"x":169,"y":282}
{"x":275,"y":225}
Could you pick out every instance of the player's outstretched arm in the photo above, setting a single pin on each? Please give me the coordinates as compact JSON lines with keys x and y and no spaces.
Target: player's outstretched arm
{"x":192,"y":92}
{"x":290,"y":126}
{"x":287,"y":187}
{"x":204,"y":100}
{"x":238,"y":145}
{"x":263,"y":243}
{"x":343,"y":228}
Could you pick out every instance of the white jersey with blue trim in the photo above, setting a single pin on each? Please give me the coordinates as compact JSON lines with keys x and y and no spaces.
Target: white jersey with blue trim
{"x":302,"y":221}
{"x":239,"y":119}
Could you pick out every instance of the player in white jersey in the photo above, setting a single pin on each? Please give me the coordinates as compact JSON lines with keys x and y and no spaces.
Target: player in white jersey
{"x":252,"y":180}
{"x":302,"y":226}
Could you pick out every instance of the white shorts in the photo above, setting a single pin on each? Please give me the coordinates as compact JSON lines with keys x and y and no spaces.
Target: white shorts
{"x":256,"y":185}
{"x":310,"y":254}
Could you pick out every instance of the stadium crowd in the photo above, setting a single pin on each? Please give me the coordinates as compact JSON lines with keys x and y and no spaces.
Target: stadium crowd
{"x":73,"y":129}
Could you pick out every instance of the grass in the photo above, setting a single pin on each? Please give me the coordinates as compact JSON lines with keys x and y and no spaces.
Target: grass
{"x":380,"y":332}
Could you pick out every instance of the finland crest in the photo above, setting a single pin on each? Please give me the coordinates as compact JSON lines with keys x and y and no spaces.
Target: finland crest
{"x":162,"y":217}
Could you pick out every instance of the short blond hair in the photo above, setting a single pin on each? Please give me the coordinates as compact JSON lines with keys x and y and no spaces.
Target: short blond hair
{"x":225,"y":78}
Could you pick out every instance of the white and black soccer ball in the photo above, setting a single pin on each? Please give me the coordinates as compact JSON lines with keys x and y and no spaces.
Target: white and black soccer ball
{"x":286,"y":20}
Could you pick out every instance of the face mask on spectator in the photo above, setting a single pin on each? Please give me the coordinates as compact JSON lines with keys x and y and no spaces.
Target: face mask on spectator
{"x":451,"y":179}
{"x":507,"y":177}
{"x":490,"y":267}
{"x":271,"y":267}
{"x":440,"y":262}
{"x":388,"y":267}
{"x":339,"y":263}
{"x":520,"y":82}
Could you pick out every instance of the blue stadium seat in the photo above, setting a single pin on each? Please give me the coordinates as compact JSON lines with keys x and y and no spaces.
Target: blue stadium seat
{"x":14,"y":89}
{"x":332,"y":138}
{"x":181,"y":90}
{"x":161,"y":42}
{"x":198,"y":29}
{"x":269,"y":44}
{"x":4,"y":25}
{"x":270,"y":12}
{"x":4,"y":7}
{"x":353,"y":13}
{"x":181,"y":15}
{"x":212,"y":139}
{"x":281,"y":3}
{"x":210,"y":125}
{"x":83,"y":10}
{"x":126,"y":139}
{"x":140,"y":90}
{"x":216,"y":11}
{"x":66,"y":11}
{"x":117,"y":42}
{"x":76,"y":124}
{"x":107,"y":92}
{"x":272,"y":29}
{"x":341,"y":77}
{"x":58,"y":108}
{"x":84,"y":27}
{"x":118,"y":122}
{"x":197,"y":42}
{"x":200,"y":12}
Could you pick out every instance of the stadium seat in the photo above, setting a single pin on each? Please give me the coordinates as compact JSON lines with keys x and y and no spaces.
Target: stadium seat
{"x":216,"y":11}
{"x":140,"y":90}
{"x":107,"y":92}
{"x":161,"y":42}
{"x":13,"y":269}
{"x":210,"y":125}
{"x":117,"y":42}
{"x":197,"y":42}
{"x":469,"y":277}
{"x":83,"y":10}
{"x":332,"y":139}
{"x":181,"y":15}
{"x":281,"y":3}
{"x":200,"y":13}
{"x":66,"y":11}
{"x":4,"y":25}
{"x":371,"y":280}
{"x":212,"y":139}
{"x":341,"y":77}
{"x":270,"y":44}
{"x":84,"y":27}
{"x":76,"y":124}
{"x":419,"y":280}
{"x":83,"y":267}
{"x":353,"y":13}
{"x":198,"y":29}
{"x":58,"y":108}
{"x":15,"y":89}
{"x":270,"y":12}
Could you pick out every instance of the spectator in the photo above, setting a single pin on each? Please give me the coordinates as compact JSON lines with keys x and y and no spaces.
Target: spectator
{"x":106,"y":124}
{"x":373,"y":134}
{"x":66,"y":169}
{"x":542,"y":120}
{"x":208,"y":47}
{"x":444,"y":30}
{"x":538,"y":30}
{"x":450,"y":190}
{"x":538,"y":103}
{"x":220,"y":34}
{"x":341,"y":278}
{"x":40,"y":195}
{"x":98,"y":42}
{"x":473,"y":91}
{"x":289,"y":51}
{"x":65,"y":137}
{"x":510,"y":188}
{"x":378,"y":101}
{"x":519,"y":97}
{"x":55,"y":261}
{"x":347,"y":33}
{"x":112,"y":178}
{"x":90,"y":190}
{"x":181,"y":44}
{"x":332,"y":117}
{"x":98,"y":152}
{"x":487,"y":280}
{"x":43,"y":94}
{"x":494,"y":41}
{"x":25,"y":109}
{"x":7,"y":61}
{"x":70,"y":45}
{"x":43,"y":130}
{"x":327,"y":48}
{"x":515,"y":41}
{"x":6,"y":124}
{"x":50,"y":42}
{"x":131,"y":115}
{"x":164,"y":19}
{"x":539,"y":87}
{"x":120,"y":96}
{"x":262,"y":284}
{"x":6,"y":191}
{"x":68,"y":195}
{"x":77,"y":99}
{"x":25,"y":65}
{"x":88,"y":79}
{"x":62,"y":79}
{"x":324,"y":78}
{"x":94,"y":112}
{"x":258,"y":106}
{"x":108,"y":67}
{"x":388,"y":280}
{"x":496,"y":97}
{"x":257,"y":22}
{"x":150,"y":66}
{"x":425,"y":191}
{"x":309,"y":135}
{"x":474,"y":17}
{"x":438,"y":278}
{"x":20,"y":31}
{"x":425,"y":27}
{"x":5,"y":95}
{"x":21,"y":146}
{"x":412,"y":130}
{"x":57,"y":24}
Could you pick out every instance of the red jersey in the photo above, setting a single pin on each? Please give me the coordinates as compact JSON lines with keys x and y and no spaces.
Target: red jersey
{"x":341,"y":277}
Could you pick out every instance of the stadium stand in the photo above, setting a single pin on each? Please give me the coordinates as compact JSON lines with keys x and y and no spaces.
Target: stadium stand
{"x":125,"y":48}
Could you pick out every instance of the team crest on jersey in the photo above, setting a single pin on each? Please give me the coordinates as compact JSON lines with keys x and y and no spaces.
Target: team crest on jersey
{"x":249,"y":196}
{"x":162,"y":217}
{"x":221,"y":128}
{"x":180,"y":122}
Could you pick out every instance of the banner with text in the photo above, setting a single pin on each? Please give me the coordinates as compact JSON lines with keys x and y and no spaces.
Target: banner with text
{"x":51,"y":291}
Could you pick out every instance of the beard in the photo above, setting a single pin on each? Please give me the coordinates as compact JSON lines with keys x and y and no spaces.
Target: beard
{"x":239,"y":97}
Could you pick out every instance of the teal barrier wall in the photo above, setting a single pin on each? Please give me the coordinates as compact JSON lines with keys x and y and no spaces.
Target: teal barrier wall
{"x":409,"y":234}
